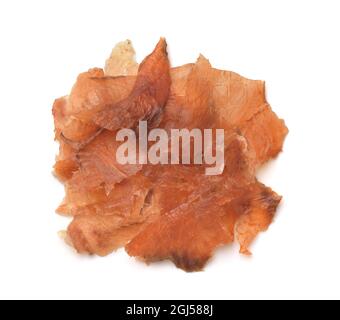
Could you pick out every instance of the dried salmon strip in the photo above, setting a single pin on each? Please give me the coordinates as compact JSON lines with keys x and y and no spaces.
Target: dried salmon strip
{"x":148,"y":96}
{"x":164,"y":212}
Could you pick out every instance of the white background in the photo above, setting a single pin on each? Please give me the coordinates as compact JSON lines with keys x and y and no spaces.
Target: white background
{"x":293,"y":45}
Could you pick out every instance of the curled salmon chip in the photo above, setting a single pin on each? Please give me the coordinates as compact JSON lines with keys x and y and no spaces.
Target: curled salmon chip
{"x":163,"y":211}
{"x":148,"y":97}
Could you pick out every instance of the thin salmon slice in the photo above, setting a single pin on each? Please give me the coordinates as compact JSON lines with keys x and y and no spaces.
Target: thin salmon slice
{"x":148,"y":96}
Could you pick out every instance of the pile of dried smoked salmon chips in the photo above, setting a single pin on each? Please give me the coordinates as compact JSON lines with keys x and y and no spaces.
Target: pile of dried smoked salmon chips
{"x":160,"y":212}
